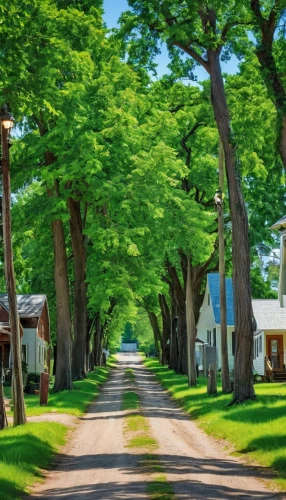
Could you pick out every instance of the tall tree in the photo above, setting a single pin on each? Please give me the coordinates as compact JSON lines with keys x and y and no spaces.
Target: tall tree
{"x":201,"y":30}
{"x":267,"y":17}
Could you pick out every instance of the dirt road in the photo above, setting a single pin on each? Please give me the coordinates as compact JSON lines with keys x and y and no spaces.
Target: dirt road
{"x":96,"y":465}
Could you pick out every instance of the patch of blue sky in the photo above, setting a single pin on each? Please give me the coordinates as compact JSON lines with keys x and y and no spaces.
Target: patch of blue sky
{"x":112,"y":11}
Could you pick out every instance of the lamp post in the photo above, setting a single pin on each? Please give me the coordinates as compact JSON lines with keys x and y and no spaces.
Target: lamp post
{"x":218,"y":199}
{"x":19,"y":416}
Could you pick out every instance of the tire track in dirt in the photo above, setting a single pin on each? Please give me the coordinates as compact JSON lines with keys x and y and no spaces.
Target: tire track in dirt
{"x":95,"y":463}
{"x":195,"y":464}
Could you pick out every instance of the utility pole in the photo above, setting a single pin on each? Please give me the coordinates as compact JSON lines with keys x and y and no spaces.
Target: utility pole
{"x":19,"y":415}
{"x":226,"y":386}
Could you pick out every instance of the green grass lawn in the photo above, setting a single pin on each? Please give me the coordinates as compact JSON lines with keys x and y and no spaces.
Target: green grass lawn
{"x":73,"y":402}
{"x":257,"y":429}
{"x":25,"y":450}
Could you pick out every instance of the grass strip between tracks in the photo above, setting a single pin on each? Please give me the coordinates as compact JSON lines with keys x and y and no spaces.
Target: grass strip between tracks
{"x":138,"y":434}
{"x":255,"y":430}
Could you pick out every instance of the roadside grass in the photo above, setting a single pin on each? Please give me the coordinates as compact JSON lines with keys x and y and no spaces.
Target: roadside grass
{"x":24,"y":451}
{"x":27,"y":449}
{"x":73,"y":402}
{"x":256,"y":429}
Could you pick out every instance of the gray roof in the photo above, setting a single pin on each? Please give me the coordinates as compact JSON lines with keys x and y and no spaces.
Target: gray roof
{"x":214,"y":288}
{"x":280,"y":224}
{"x":28,"y":305}
{"x":268,"y":314}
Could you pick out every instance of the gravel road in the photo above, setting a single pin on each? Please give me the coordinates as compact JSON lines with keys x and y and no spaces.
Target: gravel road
{"x":95,"y":464}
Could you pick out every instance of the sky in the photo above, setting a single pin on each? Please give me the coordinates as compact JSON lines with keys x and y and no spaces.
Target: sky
{"x":113,"y":9}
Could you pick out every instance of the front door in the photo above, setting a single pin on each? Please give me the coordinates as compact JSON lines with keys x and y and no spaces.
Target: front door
{"x":275,"y":350}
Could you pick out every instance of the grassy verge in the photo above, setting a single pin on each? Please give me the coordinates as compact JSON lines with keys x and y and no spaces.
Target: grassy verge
{"x":73,"y":402}
{"x":138,"y":436}
{"x":255,"y":429}
{"x":24,"y":451}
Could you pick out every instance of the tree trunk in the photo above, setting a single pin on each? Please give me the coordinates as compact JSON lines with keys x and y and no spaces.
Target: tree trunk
{"x":243,"y":382}
{"x":269,"y":71}
{"x":191,"y":328}
{"x":226,"y":387}
{"x":63,"y":379}
{"x":19,"y":413}
{"x":80,"y":289}
{"x":97,"y":341}
{"x":3,"y":417}
{"x":166,"y":321}
{"x":156,"y":332}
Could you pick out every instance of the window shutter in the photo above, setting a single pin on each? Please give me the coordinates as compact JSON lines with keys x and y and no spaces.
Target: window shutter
{"x":233,"y":343}
{"x":214,"y":337}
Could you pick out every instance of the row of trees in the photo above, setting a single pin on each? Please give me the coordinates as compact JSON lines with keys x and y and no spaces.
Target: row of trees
{"x":114,"y":174}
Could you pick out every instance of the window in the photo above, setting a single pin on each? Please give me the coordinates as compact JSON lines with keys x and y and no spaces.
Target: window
{"x":260,"y":343}
{"x":24,"y":353}
{"x":39,"y":354}
{"x":257,"y":347}
{"x":233,"y":343}
{"x":209,"y":300}
{"x":254,"y":349}
{"x":209,"y":337}
{"x":214,"y":337}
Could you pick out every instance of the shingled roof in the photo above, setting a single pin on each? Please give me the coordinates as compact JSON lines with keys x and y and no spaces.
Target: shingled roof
{"x":268,"y":314}
{"x":214,"y":288}
{"x":29,"y":306}
{"x":280,"y":224}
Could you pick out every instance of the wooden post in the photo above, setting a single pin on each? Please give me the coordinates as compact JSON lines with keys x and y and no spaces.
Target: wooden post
{"x":226,"y":386}
{"x":17,"y":379}
{"x":3,"y":417}
{"x":44,"y":388}
{"x":212,"y":389}
{"x":191,"y":329}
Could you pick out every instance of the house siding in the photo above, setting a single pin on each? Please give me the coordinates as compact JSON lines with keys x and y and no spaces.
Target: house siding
{"x":206,"y":319}
{"x":258,"y":358}
{"x":35,"y":345}
{"x":207,"y":322}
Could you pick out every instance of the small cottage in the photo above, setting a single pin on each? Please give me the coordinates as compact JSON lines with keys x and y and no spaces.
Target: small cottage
{"x":269,"y":353}
{"x":35,"y":331}
{"x":208,"y":326}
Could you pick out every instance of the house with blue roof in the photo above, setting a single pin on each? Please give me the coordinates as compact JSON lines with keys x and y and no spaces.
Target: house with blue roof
{"x":269,"y":353}
{"x":208,"y":326}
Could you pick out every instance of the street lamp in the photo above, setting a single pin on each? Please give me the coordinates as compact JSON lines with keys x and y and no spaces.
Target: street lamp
{"x":7,"y":121}
{"x":6,"y":118}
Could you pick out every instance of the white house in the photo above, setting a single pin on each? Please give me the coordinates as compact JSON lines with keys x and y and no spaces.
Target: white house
{"x":35,"y":328}
{"x":269,"y":337}
{"x":208,"y":326}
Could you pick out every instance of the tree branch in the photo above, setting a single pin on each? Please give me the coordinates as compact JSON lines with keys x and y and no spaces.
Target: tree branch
{"x":194,"y":54}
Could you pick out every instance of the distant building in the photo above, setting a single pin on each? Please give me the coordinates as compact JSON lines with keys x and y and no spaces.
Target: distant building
{"x":130,"y":346}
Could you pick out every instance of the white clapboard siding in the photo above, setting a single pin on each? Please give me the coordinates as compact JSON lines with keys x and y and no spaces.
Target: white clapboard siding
{"x":35,"y":350}
{"x":259,"y":354}
{"x":206,"y":319}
